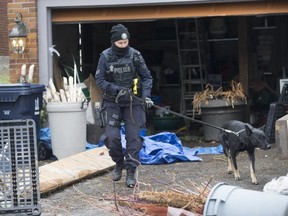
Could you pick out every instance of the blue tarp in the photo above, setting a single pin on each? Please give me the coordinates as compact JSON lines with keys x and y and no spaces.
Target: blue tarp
{"x":160,"y":148}
{"x":45,"y":136}
{"x":209,"y":150}
{"x":164,"y":148}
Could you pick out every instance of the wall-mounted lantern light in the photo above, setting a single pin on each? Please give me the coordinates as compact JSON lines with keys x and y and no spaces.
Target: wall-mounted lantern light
{"x":18,"y":35}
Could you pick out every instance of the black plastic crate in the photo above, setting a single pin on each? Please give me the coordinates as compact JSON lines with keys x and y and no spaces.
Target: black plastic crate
{"x":19,"y":175}
{"x":276,"y":111}
{"x":284,"y":94}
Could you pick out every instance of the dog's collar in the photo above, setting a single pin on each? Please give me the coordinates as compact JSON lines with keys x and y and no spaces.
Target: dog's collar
{"x":236,"y":133}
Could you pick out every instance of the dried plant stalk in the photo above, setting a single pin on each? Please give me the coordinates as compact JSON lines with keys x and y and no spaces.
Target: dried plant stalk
{"x":232,"y":96}
{"x":190,"y":202}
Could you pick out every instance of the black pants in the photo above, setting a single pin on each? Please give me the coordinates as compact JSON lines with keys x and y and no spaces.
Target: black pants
{"x":134,"y":119}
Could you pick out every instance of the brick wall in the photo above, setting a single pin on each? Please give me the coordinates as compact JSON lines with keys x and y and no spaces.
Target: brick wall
{"x":28,"y":9}
{"x":4,"y":49}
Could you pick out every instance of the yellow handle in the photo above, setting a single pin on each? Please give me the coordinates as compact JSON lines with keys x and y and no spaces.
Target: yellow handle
{"x":135,"y":82}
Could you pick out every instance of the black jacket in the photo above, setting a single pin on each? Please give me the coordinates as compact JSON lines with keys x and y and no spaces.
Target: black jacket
{"x":109,"y":81}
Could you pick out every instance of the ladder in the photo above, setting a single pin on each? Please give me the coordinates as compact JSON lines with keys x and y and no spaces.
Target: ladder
{"x":191,"y":51}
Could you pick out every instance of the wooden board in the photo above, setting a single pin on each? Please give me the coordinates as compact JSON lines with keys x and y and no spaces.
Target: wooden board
{"x":68,"y":170}
{"x":281,"y":136}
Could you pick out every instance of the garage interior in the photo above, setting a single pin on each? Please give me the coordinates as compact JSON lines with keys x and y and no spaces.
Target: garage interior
{"x":206,"y":50}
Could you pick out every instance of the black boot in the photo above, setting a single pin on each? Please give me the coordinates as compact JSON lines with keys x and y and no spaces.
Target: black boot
{"x":130,"y":178}
{"x":117,"y":171}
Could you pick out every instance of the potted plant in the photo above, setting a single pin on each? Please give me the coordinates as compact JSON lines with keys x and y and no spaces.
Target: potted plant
{"x":219,"y":106}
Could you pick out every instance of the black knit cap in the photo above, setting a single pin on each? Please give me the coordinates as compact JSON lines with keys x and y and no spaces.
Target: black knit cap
{"x":119,"y":32}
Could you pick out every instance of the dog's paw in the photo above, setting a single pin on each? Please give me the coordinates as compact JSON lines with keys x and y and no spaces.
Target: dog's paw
{"x":253,"y":178}
{"x":254,"y":181}
{"x":229,"y":170}
{"x":237,"y":178}
{"x":237,"y":175}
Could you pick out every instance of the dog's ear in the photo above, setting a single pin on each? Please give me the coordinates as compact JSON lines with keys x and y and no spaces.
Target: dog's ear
{"x":248,"y":130}
{"x":262,"y":128}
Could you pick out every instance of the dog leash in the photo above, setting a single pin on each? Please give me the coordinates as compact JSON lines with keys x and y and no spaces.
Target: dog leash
{"x":122,"y":93}
{"x":238,"y":133}
{"x":191,"y":119}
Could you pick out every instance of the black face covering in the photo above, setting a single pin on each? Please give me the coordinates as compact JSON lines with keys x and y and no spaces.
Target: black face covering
{"x":120,"y":51}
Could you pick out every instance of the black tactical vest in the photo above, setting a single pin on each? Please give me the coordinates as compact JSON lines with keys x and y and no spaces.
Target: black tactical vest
{"x":122,"y":71}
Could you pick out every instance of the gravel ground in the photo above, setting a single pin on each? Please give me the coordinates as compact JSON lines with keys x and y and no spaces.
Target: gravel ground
{"x":95,"y":195}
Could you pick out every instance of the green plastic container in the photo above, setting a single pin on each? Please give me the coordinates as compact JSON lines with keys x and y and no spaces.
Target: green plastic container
{"x":167,"y":122}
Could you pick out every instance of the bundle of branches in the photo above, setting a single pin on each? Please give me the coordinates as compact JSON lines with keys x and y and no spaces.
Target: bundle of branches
{"x":231,"y":96}
{"x":191,"y":202}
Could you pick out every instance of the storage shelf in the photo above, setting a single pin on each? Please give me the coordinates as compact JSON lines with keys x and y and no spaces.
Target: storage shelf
{"x":157,"y":44}
{"x":193,"y":81}
{"x":188,"y":33}
{"x":190,"y":65}
{"x":169,"y":85}
{"x":223,"y":39}
{"x":189,"y":50}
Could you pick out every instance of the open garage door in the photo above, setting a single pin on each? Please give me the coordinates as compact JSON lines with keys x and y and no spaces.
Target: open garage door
{"x":170,"y":11}
{"x":154,"y":33}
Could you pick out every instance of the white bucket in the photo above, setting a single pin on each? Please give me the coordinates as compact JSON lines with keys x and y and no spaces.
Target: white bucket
{"x":226,"y":200}
{"x":67,"y":123}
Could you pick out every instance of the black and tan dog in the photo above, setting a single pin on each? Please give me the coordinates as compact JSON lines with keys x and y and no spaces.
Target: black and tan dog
{"x":242,"y":137}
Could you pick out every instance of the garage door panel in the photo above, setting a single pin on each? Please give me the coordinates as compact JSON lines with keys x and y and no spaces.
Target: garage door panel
{"x":168,"y":11}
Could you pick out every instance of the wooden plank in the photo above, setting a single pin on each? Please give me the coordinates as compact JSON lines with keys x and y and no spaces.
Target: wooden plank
{"x":68,"y":170}
{"x":281,"y":136}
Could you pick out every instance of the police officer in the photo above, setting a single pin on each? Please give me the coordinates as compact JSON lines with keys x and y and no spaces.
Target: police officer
{"x":118,"y":68}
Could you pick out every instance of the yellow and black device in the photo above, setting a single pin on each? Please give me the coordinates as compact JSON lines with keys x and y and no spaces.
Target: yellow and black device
{"x":135,"y":86}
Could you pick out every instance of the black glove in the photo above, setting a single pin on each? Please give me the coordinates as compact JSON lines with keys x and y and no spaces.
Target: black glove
{"x":148,"y":102}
